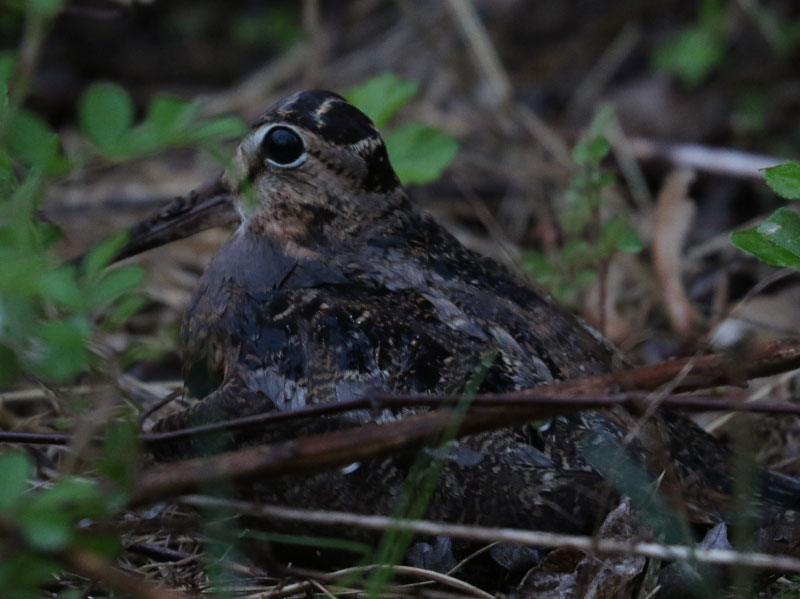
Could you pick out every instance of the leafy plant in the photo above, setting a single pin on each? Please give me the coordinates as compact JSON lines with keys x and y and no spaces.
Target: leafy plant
{"x":106,"y":115}
{"x":589,"y":241}
{"x":418,"y":153}
{"x":51,"y":311}
{"x":776,"y":241}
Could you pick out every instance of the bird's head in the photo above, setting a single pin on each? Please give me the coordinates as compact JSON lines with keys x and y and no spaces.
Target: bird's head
{"x":313,"y":166}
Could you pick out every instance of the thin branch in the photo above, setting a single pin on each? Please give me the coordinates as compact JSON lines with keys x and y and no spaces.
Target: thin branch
{"x":480,"y":45}
{"x":585,"y":544}
{"x":536,"y":406}
{"x":719,"y":161}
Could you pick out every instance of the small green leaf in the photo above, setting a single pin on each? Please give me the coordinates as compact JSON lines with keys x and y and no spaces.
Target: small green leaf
{"x":105,"y":113}
{"x":784,"y":180}
{"x":102,"y":255}
{"x":381,"y":97}
{"x":46,"y":531}
{"x":64,"y":352}
{"x":60,"y":287}
{"x":419,"y":153}
{"x":691,"y":55}
{"x":756,"y":244}
{"x":123,"y":310}
{"x":591,"y":151}
{"x":217,"y":129}
{"x":114,"y":283}
{"x":783,"y":229}
{"x":17,"y":469}
{"x":30,"y":139}
{"x":169,"y":116}
{"x":619,"y":235}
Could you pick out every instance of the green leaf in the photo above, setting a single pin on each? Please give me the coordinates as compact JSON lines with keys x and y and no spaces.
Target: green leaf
{"x":381,"y":97}
{"x":216,"y":129}
{"x":105,"y":114}
{"x":60,"y":287}
{"x":17,"y":469}
{"x":591,"y":150}
{"x":30,"y":139}
{"x":23,"y":573}
{"x":419,"y":153}
{"x":102,"y":255}
{"x":64,"y":352}
{"x":784,"y":180}
{"x":619,"y":235}
{"x":123,"y":310}
{"x":114,"y":283}
{"x":168,"y":116}
{"x":602,"y":119}
{"x":783,"y":229}
{"x":758,"y":243}
{"x":691,"y":55}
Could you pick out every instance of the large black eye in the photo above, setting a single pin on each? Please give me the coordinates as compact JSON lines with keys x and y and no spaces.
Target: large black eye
{"x":282,"y":146}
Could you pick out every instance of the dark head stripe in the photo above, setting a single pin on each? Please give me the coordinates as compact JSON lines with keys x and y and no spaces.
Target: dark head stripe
{"x":380,"y":174}
{"x":325,"y":113}
{"x":335,"y":121}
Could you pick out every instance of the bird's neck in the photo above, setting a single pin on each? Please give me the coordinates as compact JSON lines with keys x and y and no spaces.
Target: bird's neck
{"x":314,"y":228}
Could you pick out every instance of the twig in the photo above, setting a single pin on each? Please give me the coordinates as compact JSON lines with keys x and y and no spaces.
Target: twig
{"x":479,"y":43}
{"x":535,"y":405}
{"x":419,"y":573}
{"x":314,"y":33}
{"x":604,"y":69}
{"x":561,"y":398}
{"x":585,"y":544}
{"x":720,"y":161}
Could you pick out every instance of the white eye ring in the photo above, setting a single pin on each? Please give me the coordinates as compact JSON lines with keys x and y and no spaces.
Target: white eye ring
{"x":281,"y":142}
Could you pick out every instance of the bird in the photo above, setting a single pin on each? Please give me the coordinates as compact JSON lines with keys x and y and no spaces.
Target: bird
{"x":334,"y":285}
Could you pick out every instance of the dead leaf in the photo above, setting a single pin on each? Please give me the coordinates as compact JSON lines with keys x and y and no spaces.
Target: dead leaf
{"x":567,"y":574}
{"x":671,"y":221}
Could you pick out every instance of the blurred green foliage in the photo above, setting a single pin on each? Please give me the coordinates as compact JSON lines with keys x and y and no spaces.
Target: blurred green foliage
{"x":50,"y":311}
{"x":418,"y":153}
{"x":695,"y":51}
{"x":277,"y":23}
{"x":106,"y":115}
{"x":588,"y":239}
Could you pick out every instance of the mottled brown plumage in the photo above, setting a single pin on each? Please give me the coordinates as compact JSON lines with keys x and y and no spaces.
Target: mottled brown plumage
{"x":334,"y":286}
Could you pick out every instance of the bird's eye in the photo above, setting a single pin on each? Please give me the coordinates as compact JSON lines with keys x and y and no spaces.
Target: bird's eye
{"x":283,"y":147}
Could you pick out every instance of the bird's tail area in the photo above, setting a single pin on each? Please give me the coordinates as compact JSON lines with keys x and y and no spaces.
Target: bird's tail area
{"x":780,"y":490}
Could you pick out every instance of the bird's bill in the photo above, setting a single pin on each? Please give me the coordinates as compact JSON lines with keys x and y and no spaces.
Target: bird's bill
{"x":208,"y":206}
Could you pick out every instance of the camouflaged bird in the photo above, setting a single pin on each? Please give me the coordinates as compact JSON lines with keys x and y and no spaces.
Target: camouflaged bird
{"x":335,"y":286}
